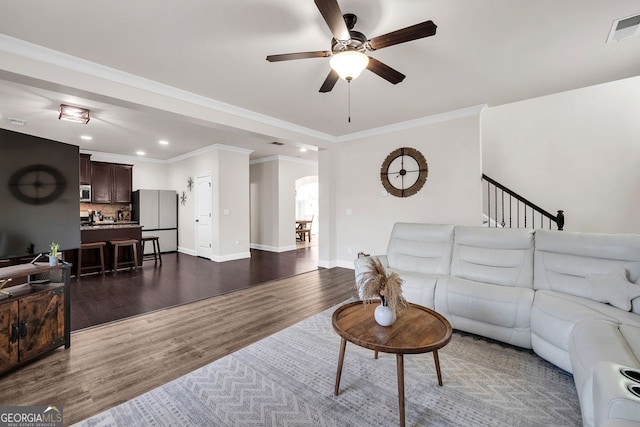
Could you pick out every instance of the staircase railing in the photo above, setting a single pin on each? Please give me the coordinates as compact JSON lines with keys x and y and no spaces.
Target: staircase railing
{"x":508,"y":209}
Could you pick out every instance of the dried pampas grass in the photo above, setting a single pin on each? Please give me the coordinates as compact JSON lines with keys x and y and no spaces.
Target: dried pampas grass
{"x":376,"y":283}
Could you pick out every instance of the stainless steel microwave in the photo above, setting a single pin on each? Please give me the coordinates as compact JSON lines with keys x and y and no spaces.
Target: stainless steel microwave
{"x":85,"y":193}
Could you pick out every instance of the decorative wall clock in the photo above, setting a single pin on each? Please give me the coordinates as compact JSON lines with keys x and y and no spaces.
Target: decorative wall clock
{"x":190,"y":183}
{"x":404,"y":172}
{"x":37,"y":184}
{"x":183,"y":198}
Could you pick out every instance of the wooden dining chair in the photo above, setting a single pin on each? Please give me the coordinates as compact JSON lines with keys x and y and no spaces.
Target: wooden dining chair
{"x":304,"y":230}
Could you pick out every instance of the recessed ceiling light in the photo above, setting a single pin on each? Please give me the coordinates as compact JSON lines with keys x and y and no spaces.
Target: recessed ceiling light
{"x":163,"y":142}
{"x":303,"y":150}
{"x":140,"y":153}
{"x":86,"y":137}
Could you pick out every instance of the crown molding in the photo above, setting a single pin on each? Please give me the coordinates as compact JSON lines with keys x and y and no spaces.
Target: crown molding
{"x":209,"y":149}
{"x":39,"y":53}
{"x":410,"y":124}
{"x":123,"y":158}
{"x":283,"y":158}
{"x":46,"y":55}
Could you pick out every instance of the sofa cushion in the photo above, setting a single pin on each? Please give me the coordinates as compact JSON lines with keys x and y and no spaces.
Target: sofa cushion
{"x":418,"y":288}
{"x":493,"y":311}
{"x":563,"y":260}
{"x":553,"y":317}
{"x":421,"y":248}
{"x":614,"y":288}
{"x":496,"y":256}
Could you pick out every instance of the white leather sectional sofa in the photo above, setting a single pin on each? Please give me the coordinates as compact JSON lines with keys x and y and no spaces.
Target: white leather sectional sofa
{"x":574,"y":298}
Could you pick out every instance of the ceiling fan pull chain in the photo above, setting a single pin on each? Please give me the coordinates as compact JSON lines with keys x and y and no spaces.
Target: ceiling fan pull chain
{"x":349,"y":86}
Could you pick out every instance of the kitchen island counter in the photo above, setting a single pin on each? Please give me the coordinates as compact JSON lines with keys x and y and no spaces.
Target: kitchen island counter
{"x":108,"y":225}
{"x":107,"y":232}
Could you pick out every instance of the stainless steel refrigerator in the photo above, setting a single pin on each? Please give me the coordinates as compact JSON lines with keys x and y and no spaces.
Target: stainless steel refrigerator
{"x":157,"y":212}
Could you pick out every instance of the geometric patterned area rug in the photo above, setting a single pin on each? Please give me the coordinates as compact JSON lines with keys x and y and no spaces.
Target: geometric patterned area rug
{"x":287,"y":379}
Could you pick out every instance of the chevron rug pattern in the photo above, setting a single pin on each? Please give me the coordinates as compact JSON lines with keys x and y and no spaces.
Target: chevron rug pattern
{"x":287,"y":379}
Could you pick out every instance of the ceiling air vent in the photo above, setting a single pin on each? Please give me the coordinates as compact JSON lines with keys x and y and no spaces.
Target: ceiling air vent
{"x":17,"y":122}
{"x":277,"y":143}
{"x":624,"y":28}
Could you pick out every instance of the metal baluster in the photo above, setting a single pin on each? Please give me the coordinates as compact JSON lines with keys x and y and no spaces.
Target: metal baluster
{"x":495,"y":200}
{"x":502,"y":209}
{"x":488,"y":204}
{"x":510,"y":203}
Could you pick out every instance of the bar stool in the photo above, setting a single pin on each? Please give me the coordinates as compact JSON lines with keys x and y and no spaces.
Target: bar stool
{"x":155,"y":242}
{"x":93,"y":246}
{"x":117,"y":244}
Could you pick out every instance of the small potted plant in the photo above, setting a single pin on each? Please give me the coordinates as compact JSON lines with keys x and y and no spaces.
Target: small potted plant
{"x":53,"y":253}
{"x":376,"y":283}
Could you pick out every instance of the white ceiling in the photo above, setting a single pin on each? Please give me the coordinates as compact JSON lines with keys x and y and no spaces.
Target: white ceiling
{"x":485,"y":52}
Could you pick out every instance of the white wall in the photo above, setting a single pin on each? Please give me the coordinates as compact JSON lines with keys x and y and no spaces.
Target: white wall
{"x":451,"y":195}
{"x":290,"y":170}
{"x":578,"y":151}
{"x":264,"y":205}
{"x":273,"y":201}
{"x":233,"y":205}
{"x":179,"y":172}
{"x":229,"y":170}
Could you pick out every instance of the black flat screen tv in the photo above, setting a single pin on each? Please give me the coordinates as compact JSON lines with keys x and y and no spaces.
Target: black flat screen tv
{"x":39,"y":201}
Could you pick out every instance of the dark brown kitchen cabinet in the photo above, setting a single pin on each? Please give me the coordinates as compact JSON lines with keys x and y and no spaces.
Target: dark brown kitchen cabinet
{"x":111,"y":182}
{"x":122,"y":183}
{"x":36,"y":318}
{"x":85,"y":169}
{"x":101,"y":182}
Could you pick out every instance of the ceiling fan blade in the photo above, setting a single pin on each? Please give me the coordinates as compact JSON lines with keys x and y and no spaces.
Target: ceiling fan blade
{"x":332,"y":15}
{"x":384,"y":71}
{"x":329,"y":82}
{"x":418,"y":31}
{"x":299,"y":55}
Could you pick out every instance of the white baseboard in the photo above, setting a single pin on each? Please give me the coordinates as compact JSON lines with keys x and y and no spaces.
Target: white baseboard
{"x":272,"y":248}
{"x":345,"y":264}
{"x":186,"y":251}
{"x":327,"y":264}
{"x":217,"y":258}
{"x":230,"y":257}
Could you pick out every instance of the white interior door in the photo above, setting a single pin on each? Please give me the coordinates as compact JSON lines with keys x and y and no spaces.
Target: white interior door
{"x":203,"y":216}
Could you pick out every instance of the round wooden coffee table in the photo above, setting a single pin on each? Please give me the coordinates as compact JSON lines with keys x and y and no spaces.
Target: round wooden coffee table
{"x":416,"y":330}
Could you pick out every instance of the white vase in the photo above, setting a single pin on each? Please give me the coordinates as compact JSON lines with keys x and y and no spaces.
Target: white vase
{"x":53,"y":261}
{"x":384,"y":315}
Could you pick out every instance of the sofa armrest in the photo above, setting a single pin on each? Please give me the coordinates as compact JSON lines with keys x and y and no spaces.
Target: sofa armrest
{"x":611,"y":394}
{"x":362,"y":264}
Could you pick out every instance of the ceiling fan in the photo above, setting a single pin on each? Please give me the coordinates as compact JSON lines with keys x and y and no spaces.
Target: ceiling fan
{"x":348,"y":46}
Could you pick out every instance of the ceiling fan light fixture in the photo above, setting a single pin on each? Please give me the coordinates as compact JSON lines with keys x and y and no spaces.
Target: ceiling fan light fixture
{"x":73,"y":114}
{"x":349,"y":63}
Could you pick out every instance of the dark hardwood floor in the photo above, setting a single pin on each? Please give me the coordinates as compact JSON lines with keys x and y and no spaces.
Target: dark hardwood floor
{"x":181,"y":279}
{"x":112,"y":363}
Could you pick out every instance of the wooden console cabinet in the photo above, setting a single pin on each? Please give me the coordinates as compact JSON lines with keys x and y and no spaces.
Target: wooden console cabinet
{"x":36,"y":317}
